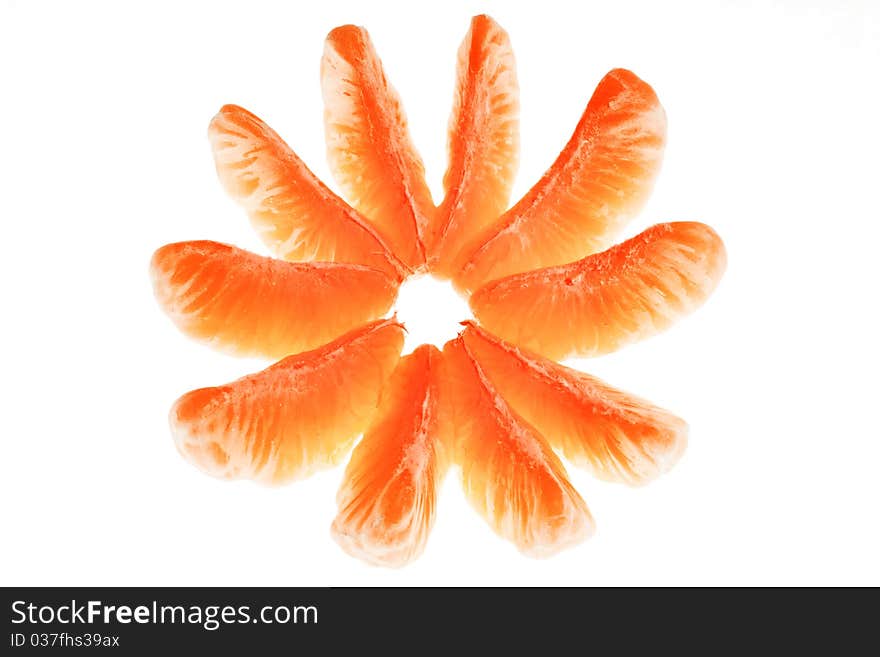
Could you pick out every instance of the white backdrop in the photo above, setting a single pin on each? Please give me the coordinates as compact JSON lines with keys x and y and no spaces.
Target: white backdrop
{"x":773,"y":141}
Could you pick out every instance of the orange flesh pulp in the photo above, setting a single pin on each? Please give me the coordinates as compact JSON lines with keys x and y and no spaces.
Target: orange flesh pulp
{"x":388,"y":496}
{"x":598,"y":304}
{"x":369,"y":148}
{"x":617,"y":436}
{"x":600,"y":180}
{"x":249,"y":305}
{"x":494,"y":401}
{"x":295,"y":214}
{"x":483,"y":145}
{"x":297,"y":416}
{"x":510,"y":474}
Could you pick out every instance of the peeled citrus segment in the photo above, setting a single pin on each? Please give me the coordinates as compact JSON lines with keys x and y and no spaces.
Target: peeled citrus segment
{"x":601,"y":179}
{"x":294,"y":418}
{"x":388,"y":498}
{"x":483,"y":145}
{"x":615,"y":435}
{"x":369,"y":147}
{"x":607,"y":300}
{"x":295,"y":214}
{"x":250,"y":305}
{"x":510,"y":474}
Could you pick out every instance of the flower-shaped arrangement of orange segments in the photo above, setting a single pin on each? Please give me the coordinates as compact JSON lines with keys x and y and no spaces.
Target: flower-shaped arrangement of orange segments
{"x":544,"y":284}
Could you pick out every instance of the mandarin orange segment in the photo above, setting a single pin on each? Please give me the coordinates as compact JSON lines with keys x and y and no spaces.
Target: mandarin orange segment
{"x":483,"y":145}
{"x":601,"y":179}
{"x":615,"y":435}
{"x":294,"y":418}
{"x":510,"y":474}
{"x":250,"y":305}
{"x":388,"y":497}
{"x":369,"y":147}
{"x":295,"y":214}
{"x":598,"y":304}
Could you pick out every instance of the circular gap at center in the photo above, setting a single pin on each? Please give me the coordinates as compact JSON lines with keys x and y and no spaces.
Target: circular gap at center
{"x":431,"y":310}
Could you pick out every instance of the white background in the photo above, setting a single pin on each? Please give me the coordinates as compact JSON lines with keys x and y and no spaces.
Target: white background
{"x":773,"y":140}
